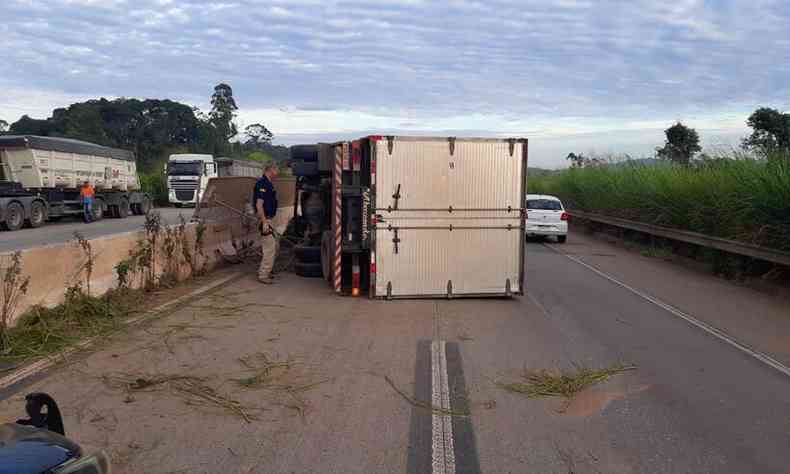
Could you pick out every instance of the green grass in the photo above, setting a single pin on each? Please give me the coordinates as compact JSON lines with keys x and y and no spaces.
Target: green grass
{"x":741,"y":199}
{"x":45,"y":331}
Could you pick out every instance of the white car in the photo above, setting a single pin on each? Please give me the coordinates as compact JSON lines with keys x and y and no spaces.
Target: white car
{"x":546,"y":216}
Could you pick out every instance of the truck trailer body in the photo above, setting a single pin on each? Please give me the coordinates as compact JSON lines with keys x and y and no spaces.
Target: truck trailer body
{"x":420,"y":216}
{"x":40,"y":179}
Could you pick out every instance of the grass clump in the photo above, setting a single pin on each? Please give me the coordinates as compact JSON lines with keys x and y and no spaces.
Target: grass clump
{"x":194,"y":390}
{"x":546,"y":383}
{"x":44,"y":331}
{"x":279,"y":379}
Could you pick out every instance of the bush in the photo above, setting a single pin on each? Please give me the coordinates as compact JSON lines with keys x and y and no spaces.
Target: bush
{"x":155,"y":184}
{"x":741,"y":199}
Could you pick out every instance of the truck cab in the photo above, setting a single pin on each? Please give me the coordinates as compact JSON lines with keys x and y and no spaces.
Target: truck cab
{"x":187,"y":177}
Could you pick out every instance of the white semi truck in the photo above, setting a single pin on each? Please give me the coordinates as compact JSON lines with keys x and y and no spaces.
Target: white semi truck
{"x":188,"y":175}
{"x":40,"y":179}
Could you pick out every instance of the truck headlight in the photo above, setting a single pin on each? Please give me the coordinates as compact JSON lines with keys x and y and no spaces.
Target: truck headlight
{"x":96,"y":463}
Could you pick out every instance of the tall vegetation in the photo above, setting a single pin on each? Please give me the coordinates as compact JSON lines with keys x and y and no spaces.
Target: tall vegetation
{"x":732,"y":197}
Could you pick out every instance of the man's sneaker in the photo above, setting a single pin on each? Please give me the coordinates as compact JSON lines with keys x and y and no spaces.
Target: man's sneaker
{"x":266,"y":281}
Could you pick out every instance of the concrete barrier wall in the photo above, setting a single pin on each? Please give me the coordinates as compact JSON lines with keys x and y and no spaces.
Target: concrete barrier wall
{"x":54,"y":268}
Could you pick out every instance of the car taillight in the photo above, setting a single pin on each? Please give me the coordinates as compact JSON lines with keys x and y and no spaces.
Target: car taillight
{"x":564,"y":216}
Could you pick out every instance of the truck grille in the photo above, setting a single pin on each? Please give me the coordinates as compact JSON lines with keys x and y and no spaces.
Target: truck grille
{"x":183,"y":195}
{"x":185,"y":189}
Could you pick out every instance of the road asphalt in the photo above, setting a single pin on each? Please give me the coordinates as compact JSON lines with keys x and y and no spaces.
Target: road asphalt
{"x":63,"y":230}
{"x":348,"y":385}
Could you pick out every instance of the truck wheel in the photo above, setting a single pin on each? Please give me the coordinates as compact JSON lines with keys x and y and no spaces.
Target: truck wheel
{"x":123,"y":208}
{"x":327,"y":255}
{"x":561,"y":239}
{"x":38,"y":214}
{"x":306,"y":153}
{"x":14,"y":216}
{"x":307,"y":254}
{"x":308,"y":270}
{"x":98,"y":210}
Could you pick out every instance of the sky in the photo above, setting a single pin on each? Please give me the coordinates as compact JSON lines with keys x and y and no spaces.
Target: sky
{"x":571,"y":75}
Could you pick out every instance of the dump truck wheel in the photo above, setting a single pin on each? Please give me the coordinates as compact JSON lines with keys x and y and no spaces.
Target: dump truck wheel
{"x":306,"y":153}
{"x":326,"y":255}
{"x":38,"y":214}
{"x":98,"y":210}
{"x":307,"y":254}
{"x":123,"y":208}
{"x":14,"y":216}
{"x":308,"y":270}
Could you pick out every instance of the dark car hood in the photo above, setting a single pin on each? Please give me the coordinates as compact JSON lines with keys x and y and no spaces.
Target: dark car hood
{"x":28,"y":450}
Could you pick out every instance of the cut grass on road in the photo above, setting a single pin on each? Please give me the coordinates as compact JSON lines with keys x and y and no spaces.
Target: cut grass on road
{"x":546,"y":383}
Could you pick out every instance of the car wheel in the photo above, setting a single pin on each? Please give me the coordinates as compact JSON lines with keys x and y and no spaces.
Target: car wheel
{"x":38,"y":214}
{"x":561,"y":239}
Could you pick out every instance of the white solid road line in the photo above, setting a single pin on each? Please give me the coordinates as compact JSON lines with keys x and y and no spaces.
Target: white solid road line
{"x":442,"y":452}
{"x":721,"y":335}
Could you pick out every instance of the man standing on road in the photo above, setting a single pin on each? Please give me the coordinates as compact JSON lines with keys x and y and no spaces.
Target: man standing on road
{"x":265,"y":200}
{"x":86,"y":193}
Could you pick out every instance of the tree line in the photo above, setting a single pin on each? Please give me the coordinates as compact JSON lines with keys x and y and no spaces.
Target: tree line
{"x":156,"y":128}
{"x":770,"y":139}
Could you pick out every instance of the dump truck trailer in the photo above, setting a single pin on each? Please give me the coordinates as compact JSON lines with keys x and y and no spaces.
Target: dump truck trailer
{"x":406,"y":217}
{"x":40,"y":180}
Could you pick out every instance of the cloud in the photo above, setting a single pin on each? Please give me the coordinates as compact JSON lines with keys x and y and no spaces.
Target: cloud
{"x":555,"y":68}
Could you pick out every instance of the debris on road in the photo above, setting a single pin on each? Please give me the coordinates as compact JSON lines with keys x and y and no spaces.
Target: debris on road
{"x":557,"y":383}
{"x":193,"y":390}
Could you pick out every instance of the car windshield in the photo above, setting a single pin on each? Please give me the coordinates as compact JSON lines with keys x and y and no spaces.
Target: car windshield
{"x":544,"y":205}
{"x":185,"y":168}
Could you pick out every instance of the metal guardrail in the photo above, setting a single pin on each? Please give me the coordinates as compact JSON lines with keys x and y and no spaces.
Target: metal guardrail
{"x":726,"y":245}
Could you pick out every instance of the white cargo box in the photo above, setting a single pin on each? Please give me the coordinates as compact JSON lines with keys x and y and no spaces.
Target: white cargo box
{"x":449,"y":217}
{"x":50,"y":162}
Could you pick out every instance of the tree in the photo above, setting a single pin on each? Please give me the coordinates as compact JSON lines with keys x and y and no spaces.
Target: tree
{"x":771,"y":131}
{"x":577,"y":161}
{"x":681,"y":144}
{"x":3,"y":126}
{"x":258,"y":135}
{"x":223,"y":111}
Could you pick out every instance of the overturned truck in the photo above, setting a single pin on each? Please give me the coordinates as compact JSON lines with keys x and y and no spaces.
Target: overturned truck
{"x":405,"y":217}
{"x":40,"y":179}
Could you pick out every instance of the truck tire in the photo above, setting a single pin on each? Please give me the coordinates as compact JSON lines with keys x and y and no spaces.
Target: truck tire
{"x":123,"y":208}
{"x":326,"y":255}
{"x":561,"y":239}
{"x":38,"y":214}
{"x":14,"y":216}
{"x":306,"y":153}
{"x":98,"y":210}
{"x":307,"y":254}
{"x":308,"y":270}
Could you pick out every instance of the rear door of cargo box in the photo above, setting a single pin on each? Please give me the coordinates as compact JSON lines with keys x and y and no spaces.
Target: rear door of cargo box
{"x":449,"y":218}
